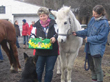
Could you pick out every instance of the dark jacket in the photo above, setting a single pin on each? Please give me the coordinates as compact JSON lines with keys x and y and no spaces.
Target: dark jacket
{"x":17,"y":30}
{"x":51,"y":33}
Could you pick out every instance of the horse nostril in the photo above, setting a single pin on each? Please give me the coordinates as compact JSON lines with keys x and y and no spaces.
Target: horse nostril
{"x":61,"y":40}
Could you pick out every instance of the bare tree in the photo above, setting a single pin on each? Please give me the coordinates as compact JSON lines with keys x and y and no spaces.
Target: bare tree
{"x":85,"y":6}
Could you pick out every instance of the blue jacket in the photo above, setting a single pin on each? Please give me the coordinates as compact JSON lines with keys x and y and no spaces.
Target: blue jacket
{"x":96,"y":33}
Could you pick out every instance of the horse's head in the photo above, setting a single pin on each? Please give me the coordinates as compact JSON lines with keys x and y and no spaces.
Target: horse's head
{"x":63,"y":22}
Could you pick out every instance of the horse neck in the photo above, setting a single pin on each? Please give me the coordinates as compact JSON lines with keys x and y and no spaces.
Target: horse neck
{"x":74,"y":22}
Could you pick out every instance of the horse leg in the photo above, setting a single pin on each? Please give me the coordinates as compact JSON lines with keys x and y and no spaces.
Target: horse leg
{"x":63,"y":66}
{"x":58,"y":65}
{"x":71,"y":58}
{"x":6,"y":49}
{"x":15,"y":54}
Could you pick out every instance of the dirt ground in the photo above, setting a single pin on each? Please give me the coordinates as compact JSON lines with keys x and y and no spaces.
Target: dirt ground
{"x":78,"y":74}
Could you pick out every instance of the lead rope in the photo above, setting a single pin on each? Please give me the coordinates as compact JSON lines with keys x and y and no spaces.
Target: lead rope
{"x":86,"y":58}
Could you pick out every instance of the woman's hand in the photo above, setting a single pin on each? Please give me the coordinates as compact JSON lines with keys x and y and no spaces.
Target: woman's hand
{"x":53,"y":39}
{"x":86,"y":39}
{"x":74,"y":33}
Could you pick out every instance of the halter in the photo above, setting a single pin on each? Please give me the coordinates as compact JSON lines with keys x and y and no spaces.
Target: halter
{"x":68,"y":34}
{"x":65,"y":34}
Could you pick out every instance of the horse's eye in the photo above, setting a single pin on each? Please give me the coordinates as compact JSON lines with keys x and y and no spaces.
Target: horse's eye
{"x":65,"y":22}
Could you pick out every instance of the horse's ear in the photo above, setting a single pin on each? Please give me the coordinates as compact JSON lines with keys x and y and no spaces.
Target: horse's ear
{"x":25,"y":56}
{"x":54,"y":13}
{"x":68,"y":9}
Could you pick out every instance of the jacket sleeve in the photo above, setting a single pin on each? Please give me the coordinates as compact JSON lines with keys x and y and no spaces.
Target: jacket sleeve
{"x":100,"y":37}
{"x":82,"y":33}
{"x":33,"y":32}
{"x":27,"y":29}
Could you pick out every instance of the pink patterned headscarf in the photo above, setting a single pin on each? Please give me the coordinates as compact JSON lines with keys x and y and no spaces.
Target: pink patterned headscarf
{"x":45,"y":24}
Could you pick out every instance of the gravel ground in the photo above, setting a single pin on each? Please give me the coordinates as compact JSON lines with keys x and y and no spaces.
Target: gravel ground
{"x":78,"y":74}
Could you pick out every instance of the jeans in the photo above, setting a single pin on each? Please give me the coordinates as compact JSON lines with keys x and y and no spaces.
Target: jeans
{"x":17,"y":43}
{"x":25,"y":40}
{"x":48,"y":63}
{"x":95,"y":67}
{"x":1,"y":57}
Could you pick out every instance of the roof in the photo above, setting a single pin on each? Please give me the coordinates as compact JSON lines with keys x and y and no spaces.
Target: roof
{"x":18,"y":7}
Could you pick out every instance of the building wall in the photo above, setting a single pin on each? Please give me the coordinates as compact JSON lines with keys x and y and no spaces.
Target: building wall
{"x":29,"y":20}
{"x":16,"y":10}
{"x":8,"y":14}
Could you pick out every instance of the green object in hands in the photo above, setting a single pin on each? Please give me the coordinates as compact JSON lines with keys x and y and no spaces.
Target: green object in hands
{"x":39,"y":43}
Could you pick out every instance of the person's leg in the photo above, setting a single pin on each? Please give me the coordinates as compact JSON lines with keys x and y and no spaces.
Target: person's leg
{"x":94,"y":76}
{"x":27,"y":41}
{"x":17,"y":44}
{"x":24,"y":41}
{"x":97,"y":63}
{"x":1,"y":57}
{"x":50,"y":62}
{"x":40,"y":67}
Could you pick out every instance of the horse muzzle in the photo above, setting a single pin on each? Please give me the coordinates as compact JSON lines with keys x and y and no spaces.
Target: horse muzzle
{"x":61,"y":39}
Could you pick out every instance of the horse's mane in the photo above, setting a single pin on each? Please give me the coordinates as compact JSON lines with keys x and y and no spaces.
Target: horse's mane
{"x":61,"y":11}
{"x":75,"y":22}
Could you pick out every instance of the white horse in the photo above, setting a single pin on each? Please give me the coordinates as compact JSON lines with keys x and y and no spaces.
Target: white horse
{"x":68,"y":44}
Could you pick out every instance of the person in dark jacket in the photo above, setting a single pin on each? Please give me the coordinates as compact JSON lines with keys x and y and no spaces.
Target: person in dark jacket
{"x":46,"y":58}
{"x":96,"y":37}
{"x":17,"y":33}
{"x":25,"y":33}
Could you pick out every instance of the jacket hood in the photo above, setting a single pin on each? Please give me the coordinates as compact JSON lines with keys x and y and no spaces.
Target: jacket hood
{"x":104,"y":17}
{"x":100,"y":18}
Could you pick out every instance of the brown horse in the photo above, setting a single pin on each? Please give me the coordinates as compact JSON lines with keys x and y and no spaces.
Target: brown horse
{"x":8,"y":35}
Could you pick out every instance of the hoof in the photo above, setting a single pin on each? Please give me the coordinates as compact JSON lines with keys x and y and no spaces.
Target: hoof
{"x":69,"y":81}
{"x":14,"y":71}
{"x":58,"y":72}
{"x":12,"y":68}
{"x":19,"y":70}
{"x":62,"y":81}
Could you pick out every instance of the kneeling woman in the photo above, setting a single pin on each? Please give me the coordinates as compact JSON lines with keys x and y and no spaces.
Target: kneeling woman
{"x":46,"y":58}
